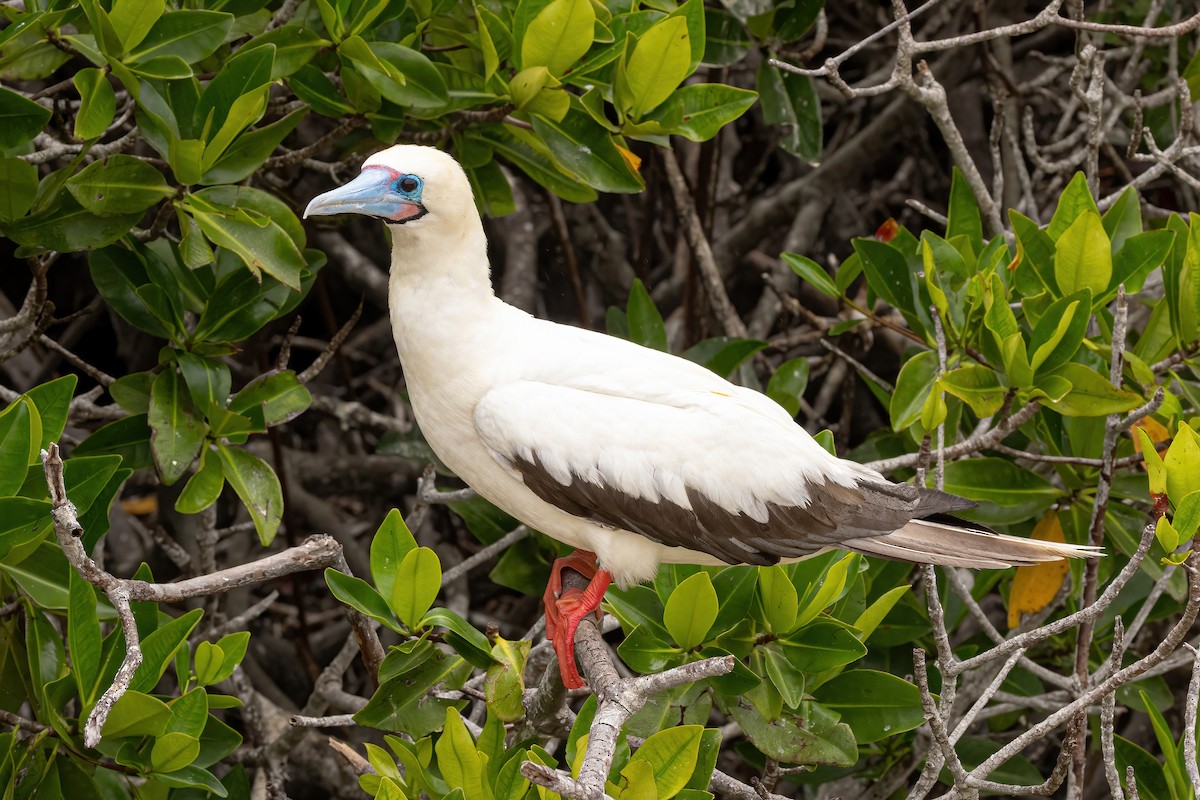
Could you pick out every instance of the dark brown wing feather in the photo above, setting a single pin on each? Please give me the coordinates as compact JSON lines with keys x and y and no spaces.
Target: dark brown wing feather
{"x":834,"y":516}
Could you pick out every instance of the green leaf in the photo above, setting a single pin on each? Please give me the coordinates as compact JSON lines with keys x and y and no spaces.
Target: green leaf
{"x":871,"y":618}
{"x":1140,"y":255}
{"x":22,"y":520}
{"x":136,"y":714}
{"x":416,"y":585}
{"x":98,"y":103}
{"x":558,"y":36}
{"x":691,"y":610}
{"x":173,"y":751}
{"x":207,"y":661}
{"x":1083,"y":256}
{"x":389,"y":547}
{"x":977,"y":386}
{"x":788,"y":384}
{"x":178,"y":429}
{"x":672,"y":755}
{"x":294,"y":45}
{"x":18,"y":188}
{"x":53,"y":402}
{"x":396,"y":703}
{"x":133,"y":19}
{"x":83,"y":636}
{"x":698,"y":111}
{"x":464,"y":637}
{"x":785,"y":675}
{"x":791,"y":102}
{"x":1059,"y":333}
{"x":876,"y":705}
{"x":995,"y":480}
{"x":963,"y":217}
{"x":1091,"y":394}
{"x":723,"y":354}
{"x":160,"y":647}
{"x":913,"y":386}
{"x":1123,"y":220}
{"x":1075,"y":201}
{"x":1182,"y":461}
{"x":119,"y":184}
{"x":812,"y":273}
{"x":658,"y":65}
{"x":503,"y":685}
{"x":587,"y":150}
{"x":256,"y":239}
{"x":250,"y":150}
{"x":20,"y":119}
{"x":359,"y":595}
{"x":778,"y":597}
{"x":257,"y":486}
{"x":422,"y":85}
{"x":645,"y":323}
{"x":278,"y":395}
{"x":811,"y":737}
{"x":243,"y":73}
{"x":68,"y":227}
{"x":458,"y":759}
{"x":16,"y":441}
{"x":129,"y":438}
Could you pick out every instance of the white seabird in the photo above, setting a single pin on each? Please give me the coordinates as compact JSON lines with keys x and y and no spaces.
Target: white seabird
{"x":636,"y":456}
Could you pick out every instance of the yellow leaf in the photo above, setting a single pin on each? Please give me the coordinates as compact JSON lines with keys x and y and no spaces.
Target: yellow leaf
{"x":140,"y":506}
{"x":631,"y":158}
{"x":1034,"y":587}
{"x":1153,"y":428}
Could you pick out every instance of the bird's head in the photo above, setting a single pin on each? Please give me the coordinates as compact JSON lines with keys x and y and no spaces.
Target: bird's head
{"x":405,"y":185}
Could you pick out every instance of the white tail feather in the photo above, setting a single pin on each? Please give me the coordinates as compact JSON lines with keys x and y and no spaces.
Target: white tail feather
{"x":927,"y":542}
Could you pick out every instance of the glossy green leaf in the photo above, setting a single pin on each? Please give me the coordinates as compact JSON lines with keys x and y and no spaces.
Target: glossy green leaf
{"x":458,"y":759}
{"x":812,"y":273}
{"x":278,"y":395}
{"x":913,"y":386}
{"x":173,"y":751}
{"x":242,"y":74}
{"x":417,"y":582}
{"x":691,"y":610}
{"x":1083,"y":256}
{"x":390,"y":545}
{"x":16,"y":439}
{"x":257,"y":486}
{"x":1059,"y":334}
{"x":119,"y":184}
{"x":963,"y":218}
{"x":876,"y":705}
{"x":558,"y":36}
{"x":467,"y":640}
{"x":672,"y":755}
{"x":1182,"y":461}
{"x":136,"y":714}
{"x":805,"y":738}
{"x":160,"y":647}
{"x":698,"y":111}
{"x":178,"y":428}
{"x":778,"y":597}
{"x":995,"y":480}
{"x":359,"y":595}
{"x":258,"y":241}
{"x":977,"y":386}
{"x":1075,"y":201}
{"x":657,"y":66}
{"x":83,"y":636}
{"x":504,"y":685}
{"x":18,"y":188}
{"x":20,"y":119}
{"x":98,"y":103}
{"x":791,"y":102}
{"x":645,"y":323}
{"x":1091,"y":394}
{"x":588,"y":151}
{"x":788,"y":384}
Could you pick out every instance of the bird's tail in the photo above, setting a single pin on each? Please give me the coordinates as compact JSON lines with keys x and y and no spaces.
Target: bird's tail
{"x":934,"y":542}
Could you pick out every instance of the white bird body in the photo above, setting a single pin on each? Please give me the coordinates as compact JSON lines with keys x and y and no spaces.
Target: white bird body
{"x":615,"y":448}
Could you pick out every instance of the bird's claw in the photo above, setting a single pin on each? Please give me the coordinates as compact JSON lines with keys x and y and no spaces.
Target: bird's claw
{"x":566,"y":608}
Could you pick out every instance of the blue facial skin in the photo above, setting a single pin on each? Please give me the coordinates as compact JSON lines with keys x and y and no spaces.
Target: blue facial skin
{"x":376,"y":192}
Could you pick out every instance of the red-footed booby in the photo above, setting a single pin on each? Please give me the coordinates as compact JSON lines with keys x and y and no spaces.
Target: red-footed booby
{"x":633,"y":456}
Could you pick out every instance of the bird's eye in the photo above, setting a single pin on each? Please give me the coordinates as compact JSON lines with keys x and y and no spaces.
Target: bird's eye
{"x":408,"y":184}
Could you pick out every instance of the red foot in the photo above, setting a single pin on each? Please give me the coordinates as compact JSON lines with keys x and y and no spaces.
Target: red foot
{"x":565,"y":609}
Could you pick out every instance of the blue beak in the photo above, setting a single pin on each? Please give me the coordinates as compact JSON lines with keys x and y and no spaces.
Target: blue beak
{"x":371,"y":194}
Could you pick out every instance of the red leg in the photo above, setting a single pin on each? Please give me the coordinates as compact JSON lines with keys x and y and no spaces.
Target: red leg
{"x":565,"y":609}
